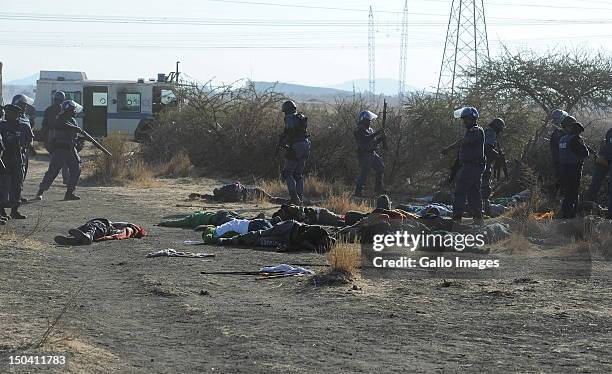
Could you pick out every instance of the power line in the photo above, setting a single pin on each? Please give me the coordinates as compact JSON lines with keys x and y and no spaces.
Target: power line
{"x":275,"y":22}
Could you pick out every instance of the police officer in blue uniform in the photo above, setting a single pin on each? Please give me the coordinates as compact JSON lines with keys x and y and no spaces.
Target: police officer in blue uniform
{"x":294,"y":140}
{"x":572,"y":153}
{"x":560,"y":120}
{"x":472,"y":161}
{"x":367,"y":143}
{"x":48,"y":122}
{"x":16,"y":136}
{"x":63,"y":141}
{"x":492,"y":153}
{"x":26,"y":104}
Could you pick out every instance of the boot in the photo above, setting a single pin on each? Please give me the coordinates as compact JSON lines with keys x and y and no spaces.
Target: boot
{"x":3,"y":215}
{"x":66,"y":240}
{"x":71,"y":196}
{"x":82,"y":237}
{"x":295,"y":200}
{"x":38,"y":195}
{"x":16,"y":215}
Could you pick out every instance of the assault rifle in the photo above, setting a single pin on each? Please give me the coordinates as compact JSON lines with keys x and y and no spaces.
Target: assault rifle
{"x":384,"y":125}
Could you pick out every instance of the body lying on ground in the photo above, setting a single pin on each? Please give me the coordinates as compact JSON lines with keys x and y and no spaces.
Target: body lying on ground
{"x":202,"y":218}
{"x":308,"y":215}
{"x":101,"y":229}
{"x":236,"y":192}
{"x":235,"y":227}
{"x":285,"y":236}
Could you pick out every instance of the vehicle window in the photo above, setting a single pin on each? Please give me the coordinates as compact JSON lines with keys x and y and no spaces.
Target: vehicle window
{"x":129,"y":102}
{"x":100,"y":99}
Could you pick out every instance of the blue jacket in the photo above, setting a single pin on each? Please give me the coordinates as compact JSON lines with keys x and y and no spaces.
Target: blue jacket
{"x":572,"y":150}
{"x":367,"y":140}
{"x":16,"y":136}
{"x":64,"y":133}
{"x":472,"y":148}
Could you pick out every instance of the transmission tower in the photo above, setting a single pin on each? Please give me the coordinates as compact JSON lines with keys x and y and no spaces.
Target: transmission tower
{"x":403,"y":53}
{"x":371,"y":53}
{"x":466,"y":44}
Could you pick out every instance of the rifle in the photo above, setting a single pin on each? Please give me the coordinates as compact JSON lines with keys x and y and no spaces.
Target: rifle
{"x":454,"y":170}
{"x":384,"y":125}
{"x":94,"y":142}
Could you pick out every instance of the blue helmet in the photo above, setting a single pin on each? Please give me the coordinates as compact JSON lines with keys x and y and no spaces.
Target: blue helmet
{"x":466,"y":112}
{"x":366,"y":115}
{"x":22,"y":101}
{"x":70,"y":105}
{"x":469,"y":112}
{"x":59,"y":96}
{"x":557,"y":116}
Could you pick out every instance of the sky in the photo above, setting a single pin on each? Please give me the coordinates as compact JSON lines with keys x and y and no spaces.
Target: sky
{"x":312,"y":42}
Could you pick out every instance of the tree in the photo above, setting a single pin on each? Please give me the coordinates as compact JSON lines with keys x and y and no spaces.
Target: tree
{"x":566,"y":79}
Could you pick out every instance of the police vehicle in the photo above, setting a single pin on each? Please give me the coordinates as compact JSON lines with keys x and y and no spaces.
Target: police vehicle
{"x":109,"y":106}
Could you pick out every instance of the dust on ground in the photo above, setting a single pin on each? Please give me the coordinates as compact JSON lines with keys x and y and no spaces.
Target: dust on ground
{"x":122,"y":312}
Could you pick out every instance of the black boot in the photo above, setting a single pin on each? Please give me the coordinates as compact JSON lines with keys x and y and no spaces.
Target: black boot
{"x":295,"y":199}
{"x":71,"y":196}
{"x":38,"y":195}
{"x":16,"y":215}
{"x":83,"y":238}
{"x":4,"y":215}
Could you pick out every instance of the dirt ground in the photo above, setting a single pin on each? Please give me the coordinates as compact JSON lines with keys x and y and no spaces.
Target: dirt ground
{"x":127,"y":313}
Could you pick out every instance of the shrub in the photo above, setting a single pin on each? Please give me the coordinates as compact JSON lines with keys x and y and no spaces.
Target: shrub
{"x":344,"y":258}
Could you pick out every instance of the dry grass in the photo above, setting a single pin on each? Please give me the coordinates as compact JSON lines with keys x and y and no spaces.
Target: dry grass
{"x":342,"y":203}
{"x":274,"y":187}
{"x":345,"y":258}
{"x":179,"y":166}
{"x":314,"y":187}
{"x":515,"y":244}
{"x":123,"y":167}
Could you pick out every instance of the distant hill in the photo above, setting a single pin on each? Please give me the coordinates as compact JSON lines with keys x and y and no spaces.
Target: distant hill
{"x":291,"y":89}
{"x":385,"y":86}
{"x":27,"y":81}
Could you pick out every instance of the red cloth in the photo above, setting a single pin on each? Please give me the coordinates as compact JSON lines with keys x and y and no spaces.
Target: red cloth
{"x":130,"y":231}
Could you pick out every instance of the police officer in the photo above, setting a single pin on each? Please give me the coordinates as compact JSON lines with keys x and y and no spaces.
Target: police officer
{"x":560,"y":120}
{"x":367,"y":141}
{"x":16,"y":136}
{"x":572,"y":153}
{"x":294,"y":140}
{"x":492,"y":153}
{"x":26,"y":104}
{"x":600,"y":171}
{"x":48,"y":122}
{"x":63,"y":139}
{"x":472,"y":161}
